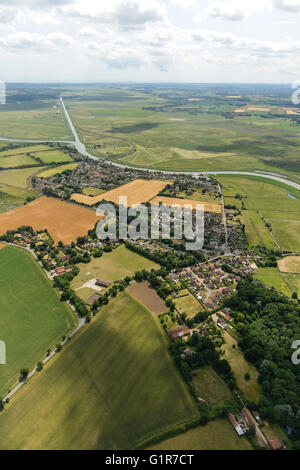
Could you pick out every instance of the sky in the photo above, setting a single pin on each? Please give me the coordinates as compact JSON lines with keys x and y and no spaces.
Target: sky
{"x":245,"y":41}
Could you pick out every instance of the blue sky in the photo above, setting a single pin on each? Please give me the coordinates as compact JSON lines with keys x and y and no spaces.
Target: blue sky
{"x":150,"y":40}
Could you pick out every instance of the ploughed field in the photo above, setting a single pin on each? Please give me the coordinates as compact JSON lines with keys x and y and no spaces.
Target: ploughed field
{"x":113,"y":387}
{"x":143,"y":292}
{"x":32,"y":318}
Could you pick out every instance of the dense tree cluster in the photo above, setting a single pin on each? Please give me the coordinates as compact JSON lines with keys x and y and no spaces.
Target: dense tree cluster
{"x":269,"y":323}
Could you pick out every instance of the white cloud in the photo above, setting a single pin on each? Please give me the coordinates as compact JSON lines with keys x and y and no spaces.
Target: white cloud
{"x":234,"y":10}
{"x":87,"y":31}
{"x":226,"y":12}
{"x":116,"y":54}
{"x":127,"y":14}
{"x":35,"y":41}
{"x":252,"y":46}
{"x":292,"y":6}
{"x":36,"y":3}
{"x":25,"y":16}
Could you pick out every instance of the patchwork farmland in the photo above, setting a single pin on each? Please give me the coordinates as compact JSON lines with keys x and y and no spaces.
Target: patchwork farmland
{"x":28,"y":324}
{"x":130,"y":386}
{"x":64,"y":221}
{"x":136,"y":191}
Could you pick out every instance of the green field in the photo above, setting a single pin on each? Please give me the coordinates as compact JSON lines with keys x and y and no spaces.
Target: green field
{"x":112,"y":266}
{"x":29,"y":325}
{"x":11,"y":197}
{"x":23,"y":150}
{"x":16,"y":161}
{"x":209,"y":386}
{"x":163,"y":129}
{"x":40,"y":124}
{"x":15,"y":181}
{"x":113,"y":387}
{"x":53,"y":156}
{"x":269,"y":201}
{"x":240,"y":367}
{"x":216,"y":435}
{"x":32,"y":156}
{"x":284,"y":283}
{"x":189,"y":305}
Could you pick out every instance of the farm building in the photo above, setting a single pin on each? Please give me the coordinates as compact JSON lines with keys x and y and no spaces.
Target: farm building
{"x":275,"y":444}
{"x":101,"y":283}
{"x":235,"y":424}
{"x":92,"y":299}
{"x":60,"y":270}
{"x":180,"y":332}
{"x":248,"y":417}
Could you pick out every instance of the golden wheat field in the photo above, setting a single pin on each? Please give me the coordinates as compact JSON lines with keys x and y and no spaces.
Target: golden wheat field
{"x":64,"y":221}
{"x":170,"y":201}
{"x":136,"y":191}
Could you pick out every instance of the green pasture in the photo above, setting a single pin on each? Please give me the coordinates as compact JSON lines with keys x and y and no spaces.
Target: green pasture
{"x":113,"y":387}
{"x":29,"y":324}
{"x":113,"y":266}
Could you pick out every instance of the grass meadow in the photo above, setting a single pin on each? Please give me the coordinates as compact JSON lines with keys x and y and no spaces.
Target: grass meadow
{"x":28,"y":324}
{"x":112,"y":266}
{"x":146,"y":130}
{"x":209,"y":386}
{"x":286,"y":283}
{"x":240,"y":367}
{"x":40,"y":124}
{"x":113,"y":387}
{"x":216,"y":435}
{"x":188,"y":304}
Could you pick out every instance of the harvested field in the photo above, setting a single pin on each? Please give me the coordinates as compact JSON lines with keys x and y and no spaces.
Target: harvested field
{"x":136,"y":191}
{"x":63,"y":220}
{"x":290,"y":264}
{"x":147,"y":296}
{"x":170,"y":201}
